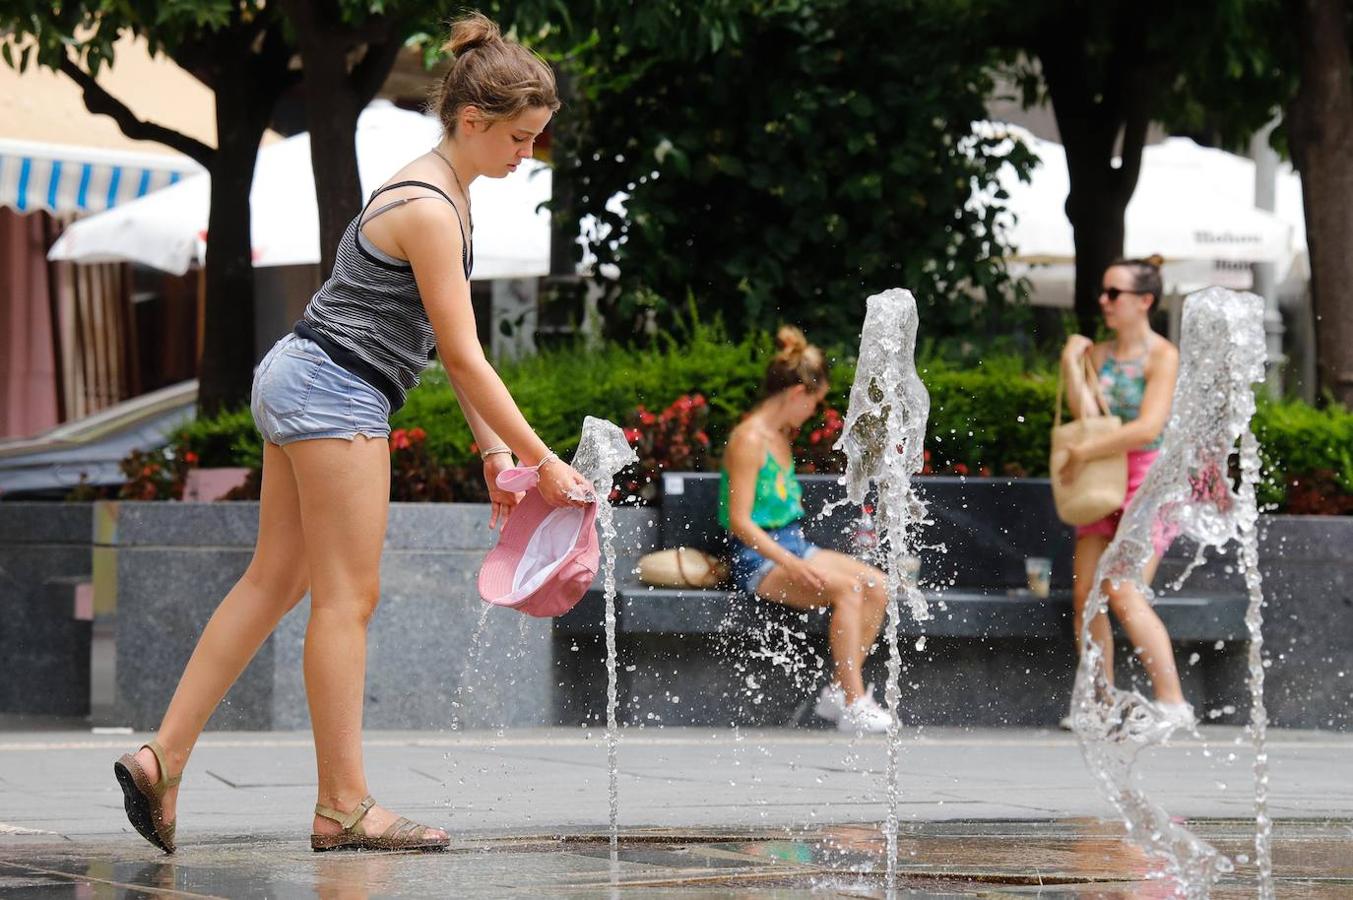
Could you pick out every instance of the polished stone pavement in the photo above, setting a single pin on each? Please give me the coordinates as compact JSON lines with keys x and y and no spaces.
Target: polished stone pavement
{"x":767,"y":813}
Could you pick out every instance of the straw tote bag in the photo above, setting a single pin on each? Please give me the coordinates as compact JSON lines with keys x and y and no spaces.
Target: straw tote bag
{"x":1101,"y":486}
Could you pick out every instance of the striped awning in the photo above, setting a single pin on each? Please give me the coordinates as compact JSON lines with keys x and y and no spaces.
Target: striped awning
{"x":68,"y":179}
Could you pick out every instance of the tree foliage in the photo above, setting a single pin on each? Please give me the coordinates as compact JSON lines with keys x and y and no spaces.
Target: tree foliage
{"x":783,"y":159}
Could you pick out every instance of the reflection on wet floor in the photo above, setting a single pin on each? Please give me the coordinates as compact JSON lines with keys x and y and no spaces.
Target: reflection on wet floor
{"x":1066,"y":858}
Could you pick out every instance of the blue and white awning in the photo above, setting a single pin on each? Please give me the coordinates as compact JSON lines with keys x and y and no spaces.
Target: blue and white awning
{"x":65,"y":179}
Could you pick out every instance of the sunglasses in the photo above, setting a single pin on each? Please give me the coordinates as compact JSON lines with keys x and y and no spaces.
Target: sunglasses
{"x":1114,"y":293}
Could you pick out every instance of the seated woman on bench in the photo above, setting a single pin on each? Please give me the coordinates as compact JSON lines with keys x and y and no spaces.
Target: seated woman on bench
{"x":760,"y":504}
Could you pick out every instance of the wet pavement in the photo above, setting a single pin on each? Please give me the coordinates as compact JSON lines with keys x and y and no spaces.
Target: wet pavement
{"x":724,"y":813}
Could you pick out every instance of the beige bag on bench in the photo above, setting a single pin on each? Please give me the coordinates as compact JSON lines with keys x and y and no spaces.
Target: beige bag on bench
{"x":1100,"y":487}
{"x":682,"y":567}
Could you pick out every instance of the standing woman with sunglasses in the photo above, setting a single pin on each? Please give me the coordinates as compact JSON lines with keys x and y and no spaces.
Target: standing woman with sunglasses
{"x":1137,"y":370}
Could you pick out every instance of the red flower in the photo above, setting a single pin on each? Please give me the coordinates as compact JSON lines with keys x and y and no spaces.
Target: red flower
{"x":417,"y":435}
{"x":960,"y":468}
{"x":190,"y":458}
{"x":633,"y":435}
{"x":646,"y":417}
{"x":399,"y":439}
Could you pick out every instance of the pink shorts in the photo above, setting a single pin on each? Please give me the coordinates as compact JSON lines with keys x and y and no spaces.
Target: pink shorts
{"x":1139,"y":463}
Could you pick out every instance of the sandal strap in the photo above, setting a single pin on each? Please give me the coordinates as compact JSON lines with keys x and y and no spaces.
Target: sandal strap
{"x":166,"y":780}
{"x":402,"y":829}
{"x":347,"y":820}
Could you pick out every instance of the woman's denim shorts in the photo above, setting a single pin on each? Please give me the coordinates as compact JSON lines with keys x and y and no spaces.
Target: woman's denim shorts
{"x":301,"y":394}
{"x":750,"y":568}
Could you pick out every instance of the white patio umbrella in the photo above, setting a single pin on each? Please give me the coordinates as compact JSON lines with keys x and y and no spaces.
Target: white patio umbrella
{"x":1192,"y":203}
{"x":167,"y":230}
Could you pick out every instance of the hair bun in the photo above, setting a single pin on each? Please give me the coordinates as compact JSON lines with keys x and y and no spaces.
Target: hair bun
{"x":791,"y":343}
{"x":1155,"y":259}
{"x":469,"y":32}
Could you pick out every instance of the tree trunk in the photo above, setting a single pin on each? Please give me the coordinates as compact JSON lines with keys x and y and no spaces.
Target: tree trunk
{"x":333,"y":146}
{"x":226,"y":371}
{"x":1320,"y":129}
{"x":563,"y":145}
{"x":335,"y":95}
{"x":1096,"y":216}
{"x":1098,"y":104}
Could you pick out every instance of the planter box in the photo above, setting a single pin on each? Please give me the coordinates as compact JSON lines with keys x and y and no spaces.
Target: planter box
{"x":438,"y":657}
{"x":160,"y":569}
{"x":45,"y":628}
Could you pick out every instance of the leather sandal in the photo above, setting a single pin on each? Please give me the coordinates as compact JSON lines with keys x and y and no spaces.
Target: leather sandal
{"x":144,"y":799}
{"x":402,"y":834}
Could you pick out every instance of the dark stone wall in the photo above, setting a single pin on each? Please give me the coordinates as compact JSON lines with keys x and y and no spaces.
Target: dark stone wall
{"x":44,"y":557}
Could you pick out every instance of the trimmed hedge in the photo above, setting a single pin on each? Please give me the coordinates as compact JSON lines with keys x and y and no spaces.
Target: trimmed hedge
{"x":991,"y":418}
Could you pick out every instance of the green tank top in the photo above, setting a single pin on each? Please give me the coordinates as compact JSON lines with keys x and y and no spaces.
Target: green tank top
{"x":778,"y":500}
{"x":1124,"y":384}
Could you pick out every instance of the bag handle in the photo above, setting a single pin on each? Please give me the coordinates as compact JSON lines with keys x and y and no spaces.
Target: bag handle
{"x":1091,"y":379}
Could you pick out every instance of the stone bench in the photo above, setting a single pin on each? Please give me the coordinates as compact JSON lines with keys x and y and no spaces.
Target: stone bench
{"x":984,"y":620}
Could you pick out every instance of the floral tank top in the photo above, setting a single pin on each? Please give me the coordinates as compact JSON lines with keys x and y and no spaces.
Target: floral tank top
{"x":1124,"y":383}
{"x":778,"y":499}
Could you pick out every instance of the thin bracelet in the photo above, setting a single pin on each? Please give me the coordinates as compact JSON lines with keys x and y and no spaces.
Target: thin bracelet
{"x":550,"y":456}
{"x":501,"y":448}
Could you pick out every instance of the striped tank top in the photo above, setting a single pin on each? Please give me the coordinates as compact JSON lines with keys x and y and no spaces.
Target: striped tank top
{"x":368,"y":317}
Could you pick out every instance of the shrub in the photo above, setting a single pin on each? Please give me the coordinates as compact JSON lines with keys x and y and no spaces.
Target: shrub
{"x":991,"y":416}
{"x":154,"y":474}
{"x":556,"y":388}
{"x":995,"y":418}
{"x":813,"y":445}
{"x":672,"y":440}
{"x":1304,"y":448}
{"x":226,"y":439}
{"x":417,"y":476}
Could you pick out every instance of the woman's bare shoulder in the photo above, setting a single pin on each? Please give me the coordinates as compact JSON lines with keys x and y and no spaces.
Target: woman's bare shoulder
{"x":746,"y":437}
{"x":1162,"y":350}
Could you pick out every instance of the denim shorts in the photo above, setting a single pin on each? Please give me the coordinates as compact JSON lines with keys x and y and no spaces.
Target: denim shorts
{"x":301,"y":394}
{"x":750,"y":568}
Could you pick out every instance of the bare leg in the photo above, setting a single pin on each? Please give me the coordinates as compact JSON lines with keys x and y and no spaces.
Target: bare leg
{"x":846,"y":636}
{"x":1088,"y":551}
{"x":277,"y":578}
{"x":871,"y":586}
{"x":344,"y":497}
{"x":1148,"y":635}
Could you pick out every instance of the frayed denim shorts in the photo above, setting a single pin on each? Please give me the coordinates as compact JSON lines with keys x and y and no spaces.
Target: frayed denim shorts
{"x":301,"y":394}
{"x":750,"y":568}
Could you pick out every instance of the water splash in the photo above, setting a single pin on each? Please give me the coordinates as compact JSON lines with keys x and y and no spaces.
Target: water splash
{"x":1188,"y":489}
{"x":602,"y":452}
{"x":474,"y":658}
{"x":884,"y":443}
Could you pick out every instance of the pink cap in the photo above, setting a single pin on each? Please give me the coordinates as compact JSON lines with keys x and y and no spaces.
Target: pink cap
{"x":546,"y":558}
